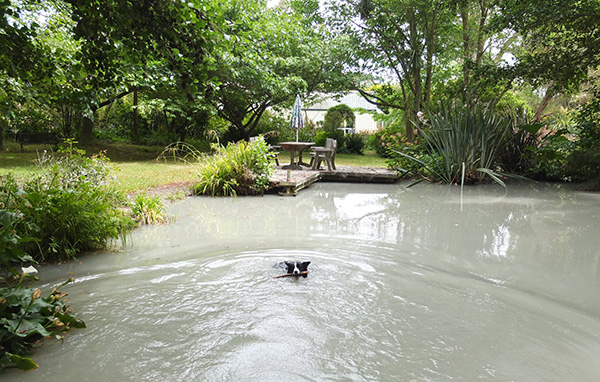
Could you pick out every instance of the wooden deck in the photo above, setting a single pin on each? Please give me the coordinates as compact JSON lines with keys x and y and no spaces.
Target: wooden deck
{"x":289,"y":182}
{"x":360,"y":175}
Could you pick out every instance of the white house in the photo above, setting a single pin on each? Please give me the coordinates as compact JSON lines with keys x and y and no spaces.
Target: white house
{"x":363,"y":111}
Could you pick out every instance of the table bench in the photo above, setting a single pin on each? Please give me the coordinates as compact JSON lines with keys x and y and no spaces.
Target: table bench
{"x":36,"y":138}
{"x":327,"y":154}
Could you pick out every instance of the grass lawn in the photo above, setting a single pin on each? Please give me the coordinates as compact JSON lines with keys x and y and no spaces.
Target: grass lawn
{"x":137,"y":168}
{"x":142,"y":175}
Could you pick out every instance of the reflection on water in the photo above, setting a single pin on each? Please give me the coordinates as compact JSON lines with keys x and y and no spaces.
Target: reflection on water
{"x":405,"y":284}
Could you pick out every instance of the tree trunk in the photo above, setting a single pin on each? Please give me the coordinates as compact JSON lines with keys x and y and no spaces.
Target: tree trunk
{"x":409,"y":117}
{"x":481,"y":37}
{"x":135,"y":117}
{"x":410,"y":113}
{"x":86,"y":134}
{"x":1,"y":133}
{"x":464,"y":14}
{"x":545,"y":101}
{"x":429,"y":63}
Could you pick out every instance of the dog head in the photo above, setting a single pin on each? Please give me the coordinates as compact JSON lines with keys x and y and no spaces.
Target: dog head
{"x":295,"y":267}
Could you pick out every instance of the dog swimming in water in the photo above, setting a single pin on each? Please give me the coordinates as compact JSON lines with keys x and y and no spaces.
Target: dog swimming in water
{"x":295,"y":268}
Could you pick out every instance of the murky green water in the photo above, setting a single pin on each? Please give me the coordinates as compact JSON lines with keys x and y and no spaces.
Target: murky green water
{"x":415,"y":284}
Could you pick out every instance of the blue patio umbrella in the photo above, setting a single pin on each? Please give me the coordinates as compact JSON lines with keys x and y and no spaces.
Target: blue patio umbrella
{"x":296,"y":121}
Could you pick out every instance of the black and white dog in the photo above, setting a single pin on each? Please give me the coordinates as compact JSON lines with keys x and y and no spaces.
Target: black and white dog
{"x":295,"y":267}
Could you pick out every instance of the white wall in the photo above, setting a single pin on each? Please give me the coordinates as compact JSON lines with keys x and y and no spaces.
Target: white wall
{"x":364,"y":121}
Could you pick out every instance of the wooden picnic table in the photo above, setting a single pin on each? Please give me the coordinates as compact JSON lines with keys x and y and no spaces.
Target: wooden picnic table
{"x":294,"y":147}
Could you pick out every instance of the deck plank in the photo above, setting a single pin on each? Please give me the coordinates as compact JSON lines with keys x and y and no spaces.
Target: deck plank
{"x":299,"y":180}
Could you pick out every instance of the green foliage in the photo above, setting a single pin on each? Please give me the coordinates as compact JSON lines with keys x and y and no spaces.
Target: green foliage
{"x":548,"y":158}
{"x":26,"y":317}
{"x":584,"y":165}
{"x":512,"y":102}
{"x":414,"y":159}
{"x":237,"y":169}
{"x":561,"y":36}
{"x":305,"y":134}
{"x":539,"y":150}
{"x":20,"y":57}
{"x":118,"y":35}
{"x":338,"y":117}
{"x":391,"y":119}
{"x":382,"y":141}
{"x":354,"y":143}
{"x":273,"y":127}
{"x":11,"y":255}
{"x":320,"y":138}
{"x":276,"y":57}
{"x":462,"y":144}
{"x":148,"y":209}
{"x":67,"y":209}
{"x":516,"y":156}
{"x":31,"y":119}
{"x":584,"y":161}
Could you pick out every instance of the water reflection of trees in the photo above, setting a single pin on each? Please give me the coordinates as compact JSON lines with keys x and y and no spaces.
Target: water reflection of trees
{"x":542,"y":225}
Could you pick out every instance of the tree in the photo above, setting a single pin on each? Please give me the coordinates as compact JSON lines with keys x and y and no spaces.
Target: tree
{"x":274,"y":57}
{"x":338,"y":117}
{"x":21,"y":60}
{"x":399,"y":40}
{"x":129,"y":45}
{"x":422,"y":49}
{"x":561,"y":43}
{"x":562,"y":35}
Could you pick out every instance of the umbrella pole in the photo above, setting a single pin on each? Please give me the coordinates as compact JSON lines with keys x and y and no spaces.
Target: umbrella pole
{"x":296,"y":135}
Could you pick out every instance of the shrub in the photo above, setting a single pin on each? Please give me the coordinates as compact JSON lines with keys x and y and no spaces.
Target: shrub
{"x":237,"y":169}
{"x":409,"y":163}
{"x":354,"y":143}
{"x":583,"y":162}
{"x":147,"y":209}
{"x":25,"y":318}
{"x":320,"y":138}
{"x":584,"y":165}
{"x":548,"y":158}
{"x":382,"y":141}
{"x":515,"y":156}
{"x":11,"y":256}
{"x":67,"y":209}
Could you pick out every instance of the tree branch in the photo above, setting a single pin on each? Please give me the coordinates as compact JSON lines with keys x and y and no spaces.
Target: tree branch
{"x":377,"y":101}
{"x":111,"y":100}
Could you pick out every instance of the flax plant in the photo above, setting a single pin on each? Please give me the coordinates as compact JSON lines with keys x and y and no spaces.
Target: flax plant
{"x":462,"y":144}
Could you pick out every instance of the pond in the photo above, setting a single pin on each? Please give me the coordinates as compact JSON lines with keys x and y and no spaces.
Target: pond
{"x":405,"y":284}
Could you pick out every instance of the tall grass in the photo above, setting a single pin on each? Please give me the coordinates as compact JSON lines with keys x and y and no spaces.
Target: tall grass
{"x":67,"y":209}
{"x":237,"y":169}
{"x":148,"y":209}
{"x":180,"y":151}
